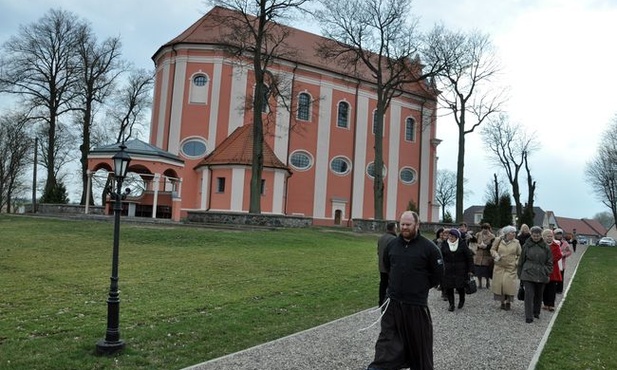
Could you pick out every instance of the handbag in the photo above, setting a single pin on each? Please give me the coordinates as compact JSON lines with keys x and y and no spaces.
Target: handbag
{"x":470,"y":286}
{"x":521,"y":293}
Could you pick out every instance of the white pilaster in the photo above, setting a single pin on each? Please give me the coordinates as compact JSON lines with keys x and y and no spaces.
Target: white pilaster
{"x":214,"y":105}
{"x":394,"y":140}
{"x":322,"y":152}
{"x":237,"y":189}
{"x":360,"y":157}
{"x":238,"y":98}
{"x":176,"y":106}
{"x":425,"y":166}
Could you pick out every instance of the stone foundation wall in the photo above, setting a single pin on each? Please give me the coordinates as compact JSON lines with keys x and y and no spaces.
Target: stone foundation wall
{"x":45,"y":208}
{"x":232,"y":218}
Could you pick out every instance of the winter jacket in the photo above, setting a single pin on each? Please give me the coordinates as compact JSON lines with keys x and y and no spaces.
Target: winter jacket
{"x":482,"y":249}
{"x":556,"y":255}
{"x":566,"y":252}
{"x":382,"y":242}
{"x":457,"y":265}
{"x":536,"y":262}
{"x":414,"y":267}
{"x":506,"y":255}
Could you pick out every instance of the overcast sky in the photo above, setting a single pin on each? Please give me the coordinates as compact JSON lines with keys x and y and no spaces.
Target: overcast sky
{"x":558,"y":58}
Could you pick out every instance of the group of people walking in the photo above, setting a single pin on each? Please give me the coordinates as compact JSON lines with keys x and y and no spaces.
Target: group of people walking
{"x":533,"y":260}
{"x":410,"y":265}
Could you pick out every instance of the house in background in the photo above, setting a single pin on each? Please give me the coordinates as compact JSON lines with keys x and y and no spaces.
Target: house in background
{"x":318,"y":155}
{"x":612,"y":231}
{"x":591,"y":229}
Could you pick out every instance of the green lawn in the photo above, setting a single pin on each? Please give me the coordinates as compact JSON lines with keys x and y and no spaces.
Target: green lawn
{"x":187,"y":294}
{"x":585,"y":332}
{"x":191,"y":294}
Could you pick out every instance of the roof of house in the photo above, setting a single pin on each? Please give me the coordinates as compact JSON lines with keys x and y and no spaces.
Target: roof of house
{"x":237,"y":148}
{"x":582,"y":226}
{"x":137,"y":147}
{"x":213,"y":27}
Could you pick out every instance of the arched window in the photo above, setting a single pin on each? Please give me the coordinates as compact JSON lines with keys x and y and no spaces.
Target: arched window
{"x":199,"y":89}
{"x":304,"y":106}
{"x":410,"y":129}
{"x":343,"y":115}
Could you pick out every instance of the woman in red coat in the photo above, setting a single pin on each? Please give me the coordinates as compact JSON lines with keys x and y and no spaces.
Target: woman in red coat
{"x":550,"y":290}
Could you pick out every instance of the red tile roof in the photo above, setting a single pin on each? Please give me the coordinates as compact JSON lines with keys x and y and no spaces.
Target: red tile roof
{"x":237,"y":148}
{"x":583,"y":226}
{"x":213,"y":26}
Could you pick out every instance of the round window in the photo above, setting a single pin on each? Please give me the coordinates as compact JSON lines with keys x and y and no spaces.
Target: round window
{"x":301,"y":160}
{"x":340,"y":165}
{"x":370,"y":170}
{"x":194,"y":148}
{"x":407,"y":175}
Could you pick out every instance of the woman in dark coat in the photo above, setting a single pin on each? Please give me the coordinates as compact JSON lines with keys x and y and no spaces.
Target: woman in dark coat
{"x":534,"y":266}
{"x":458,"y":264}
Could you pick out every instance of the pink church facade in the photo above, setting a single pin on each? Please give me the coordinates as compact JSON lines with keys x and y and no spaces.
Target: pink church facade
{"x":318,"y":155}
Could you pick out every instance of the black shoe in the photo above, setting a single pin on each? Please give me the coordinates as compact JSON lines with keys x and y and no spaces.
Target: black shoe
{"x":528,"y":321}
{"x":461,"y":304}
{"x":536,"y":316}
{"x":507,"y":306}
{"x":503,"y":306}
{"x":451,"y":308}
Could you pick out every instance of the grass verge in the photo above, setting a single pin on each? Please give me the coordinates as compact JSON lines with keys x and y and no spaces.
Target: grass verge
{"x":584,"y":333}
{"x":187,"y":294}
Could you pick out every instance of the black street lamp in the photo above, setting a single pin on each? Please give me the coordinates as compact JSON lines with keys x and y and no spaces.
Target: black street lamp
{"x":112,"y":342}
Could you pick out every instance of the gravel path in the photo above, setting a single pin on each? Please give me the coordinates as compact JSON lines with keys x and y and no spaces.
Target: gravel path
{"x":479,"y":336}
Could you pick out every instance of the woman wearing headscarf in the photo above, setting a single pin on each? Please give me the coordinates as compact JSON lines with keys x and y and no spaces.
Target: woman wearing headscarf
{"x":534,"y":268}
{"x":483,"y":260}
{"x":458,"y":267}
{"x":505,"y":251}
{"x":555,"y":278}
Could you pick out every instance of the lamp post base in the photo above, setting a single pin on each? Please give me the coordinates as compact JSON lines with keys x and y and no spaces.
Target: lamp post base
{"x":104,"y":347}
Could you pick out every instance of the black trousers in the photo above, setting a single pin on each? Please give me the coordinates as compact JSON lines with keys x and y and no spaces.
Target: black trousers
{"x":406,"y":338}
{"x":550,"y":290}
{"x":383,"y":286}
{"x":533,"y":298}
{"x":560,"y":283}
{"x":450,"y":295}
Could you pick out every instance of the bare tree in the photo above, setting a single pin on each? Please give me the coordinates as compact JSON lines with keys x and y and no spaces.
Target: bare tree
{"x":605,"y":218}
{"x":98,"y":67}
{"x":129,"y":105}
{"x":15,"y":147}
{"x":375,"y":36}
{"x":602,"y":169}
{"x":469,"y":66}
{"x":510,"y":146}
{"x":38,"y":65}
{"x":445,"y":190}
{"x":251,"y":29}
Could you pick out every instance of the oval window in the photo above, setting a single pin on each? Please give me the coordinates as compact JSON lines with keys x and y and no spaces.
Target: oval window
{"x":194,"y":148}
{"x":301,"y":160}
{"x":340,"y":165}
{"x":407,"y":175}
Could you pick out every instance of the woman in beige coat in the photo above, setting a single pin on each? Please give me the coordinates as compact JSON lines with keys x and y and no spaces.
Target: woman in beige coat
{"x":505,"y":251}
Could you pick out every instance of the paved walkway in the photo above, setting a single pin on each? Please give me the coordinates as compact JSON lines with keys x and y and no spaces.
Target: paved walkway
{"x":479,"y":336}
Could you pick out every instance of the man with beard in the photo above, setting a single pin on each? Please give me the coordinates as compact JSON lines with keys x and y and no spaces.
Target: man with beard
{"x":414,"y":265}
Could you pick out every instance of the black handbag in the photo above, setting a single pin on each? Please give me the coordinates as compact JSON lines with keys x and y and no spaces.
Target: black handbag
{"x":521,"y":293}
{"x":470,"y":286}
